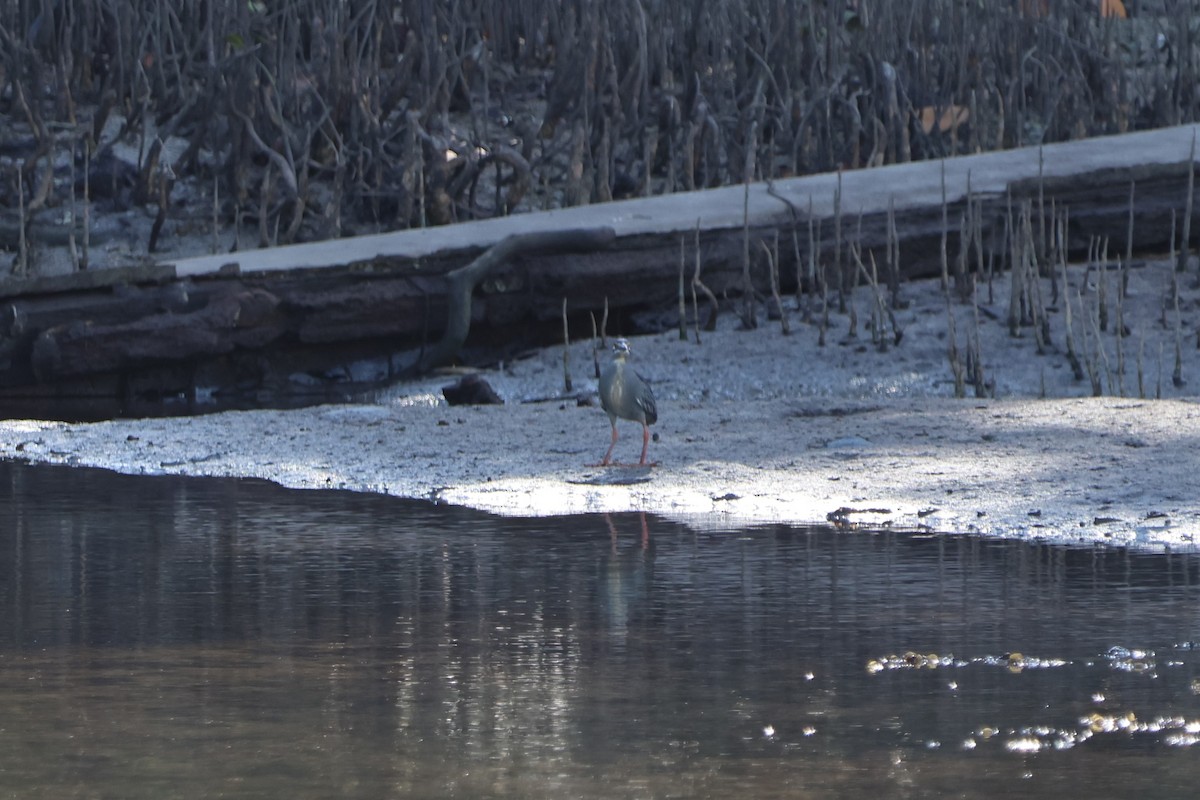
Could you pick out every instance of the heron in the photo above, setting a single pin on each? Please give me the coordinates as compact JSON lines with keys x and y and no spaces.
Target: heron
{"x":627,"y":395}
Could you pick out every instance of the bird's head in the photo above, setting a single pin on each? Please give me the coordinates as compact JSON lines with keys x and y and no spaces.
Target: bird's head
{"x":620,"y":348}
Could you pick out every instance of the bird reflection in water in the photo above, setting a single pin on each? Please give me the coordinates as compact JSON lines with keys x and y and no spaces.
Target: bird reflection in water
{"x":625,"y":591}
{"x":612,"y":530}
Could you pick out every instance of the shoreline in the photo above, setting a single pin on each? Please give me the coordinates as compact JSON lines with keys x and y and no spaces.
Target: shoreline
{"x":1086,"y":471}
{"x":757,"y":427}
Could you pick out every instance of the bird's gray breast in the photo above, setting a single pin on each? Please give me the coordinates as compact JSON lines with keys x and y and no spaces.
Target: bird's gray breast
{"x":610,"y":390}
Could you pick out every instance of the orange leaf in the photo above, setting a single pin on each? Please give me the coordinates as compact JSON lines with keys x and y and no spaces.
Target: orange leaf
{"x":1035,"y":8}
{"x":949,"y":117}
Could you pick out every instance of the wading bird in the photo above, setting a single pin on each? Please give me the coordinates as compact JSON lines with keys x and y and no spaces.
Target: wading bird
{"x":625,"y":394}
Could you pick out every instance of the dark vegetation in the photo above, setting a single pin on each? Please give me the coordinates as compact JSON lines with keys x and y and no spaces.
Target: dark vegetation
{"x":320,"y":118}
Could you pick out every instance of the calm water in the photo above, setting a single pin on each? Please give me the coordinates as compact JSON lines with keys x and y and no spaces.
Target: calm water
{"x":184,"y":638}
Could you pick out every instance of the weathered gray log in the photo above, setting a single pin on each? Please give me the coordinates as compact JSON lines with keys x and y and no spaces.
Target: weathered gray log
{"x":238,"y":319}
{"x":88,"y":279}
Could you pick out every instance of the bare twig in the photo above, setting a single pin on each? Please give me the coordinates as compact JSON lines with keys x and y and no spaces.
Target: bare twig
{"x":1072,"y":352}
{"x":711,"y":323}
{"x":774,"y":278}
{"x":1185,"y":245}
{"x":682,"y":302}
{"x":567,"y":384}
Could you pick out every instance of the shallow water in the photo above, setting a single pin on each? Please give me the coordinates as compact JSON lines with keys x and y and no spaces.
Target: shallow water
{"x":164,"y":637}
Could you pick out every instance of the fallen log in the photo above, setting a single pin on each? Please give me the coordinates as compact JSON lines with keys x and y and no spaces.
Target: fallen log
{"x":392,"y":293}
{"x":247,"y":319}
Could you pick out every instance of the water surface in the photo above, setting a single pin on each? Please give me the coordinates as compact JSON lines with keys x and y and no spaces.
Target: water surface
{"x":164,"y":637}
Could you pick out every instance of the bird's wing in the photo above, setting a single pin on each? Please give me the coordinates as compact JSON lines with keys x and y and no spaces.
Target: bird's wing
{"x":645,"y":400}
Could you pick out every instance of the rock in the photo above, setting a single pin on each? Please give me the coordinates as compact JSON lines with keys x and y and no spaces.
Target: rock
{"x":471,"y":390}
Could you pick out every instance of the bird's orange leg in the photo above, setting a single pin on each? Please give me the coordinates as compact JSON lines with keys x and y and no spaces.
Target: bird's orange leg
{"x":605,"y":461}
{"x":645,"y":444}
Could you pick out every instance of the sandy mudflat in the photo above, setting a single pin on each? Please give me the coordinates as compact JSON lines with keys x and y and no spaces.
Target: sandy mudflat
{"x":759,"y":427}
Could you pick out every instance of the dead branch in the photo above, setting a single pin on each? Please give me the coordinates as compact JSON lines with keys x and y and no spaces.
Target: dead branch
{"x":462,"y":281}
